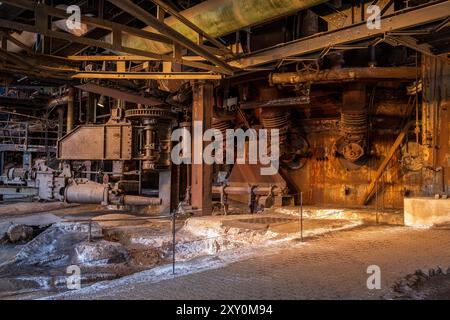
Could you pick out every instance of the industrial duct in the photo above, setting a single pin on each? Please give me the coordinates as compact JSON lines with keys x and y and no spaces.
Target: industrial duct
{"x":221,"y":17}
{"x":215,"y":17}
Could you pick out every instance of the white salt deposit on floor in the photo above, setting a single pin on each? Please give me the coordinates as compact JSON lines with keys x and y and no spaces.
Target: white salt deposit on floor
{"x":211,"y":254}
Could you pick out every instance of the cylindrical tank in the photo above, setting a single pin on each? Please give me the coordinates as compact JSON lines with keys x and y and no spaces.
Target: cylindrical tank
{"x":96,"y":193}
{"x":17,"y":173}
{"x":89,"y":192}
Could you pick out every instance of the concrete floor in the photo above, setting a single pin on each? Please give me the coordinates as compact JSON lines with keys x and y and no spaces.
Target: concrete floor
{"x":148,"y":243}
{"x":332,"y":266}
{"x":254,"y":256}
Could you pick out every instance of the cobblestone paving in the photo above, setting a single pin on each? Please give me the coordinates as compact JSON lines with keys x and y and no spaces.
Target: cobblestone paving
{"x":332,"y":266}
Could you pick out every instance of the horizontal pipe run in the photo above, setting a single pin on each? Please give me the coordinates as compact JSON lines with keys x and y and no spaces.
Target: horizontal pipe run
{"x":96,"y":193}
{"x":130,"y":200}
{"x":260,"y":191}
{"x":345,"y":74}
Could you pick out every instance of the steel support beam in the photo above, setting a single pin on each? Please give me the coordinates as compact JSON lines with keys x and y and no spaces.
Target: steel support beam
{"x":42,"y":12}
{"x":120,"y":95}
{"x":174,"y":35}
{"x":96,"y":22}
{"x":397,"y":21}
{"x":203,"y":95}
{"x":412,"y":43}
{"x":147,"y":75}
{"x":201,"y":33}
{"x":372,"y":187}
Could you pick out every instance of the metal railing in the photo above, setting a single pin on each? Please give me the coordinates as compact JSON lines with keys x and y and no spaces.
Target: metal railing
{"x":25,"y":135}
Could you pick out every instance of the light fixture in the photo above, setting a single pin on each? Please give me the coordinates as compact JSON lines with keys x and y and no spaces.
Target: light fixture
{"x":101,"y":101}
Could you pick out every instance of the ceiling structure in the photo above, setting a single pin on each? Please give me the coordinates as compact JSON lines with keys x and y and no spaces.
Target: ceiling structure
{"x":61,"y":55}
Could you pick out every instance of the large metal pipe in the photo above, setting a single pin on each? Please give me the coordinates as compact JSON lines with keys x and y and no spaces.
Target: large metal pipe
{"x":89,"y":192}
{"x":344,"y":74}
{"x":70,"y":109}
{"x":95,"y":193}
{"x":130,"y":200}
{"x":239,"y":190}
{"x":63,"y":100}
{"x":221,"y":17}
{"x":60,"y":113}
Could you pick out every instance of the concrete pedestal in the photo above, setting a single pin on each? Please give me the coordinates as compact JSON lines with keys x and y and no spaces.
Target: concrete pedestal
{"x":426,"y":211}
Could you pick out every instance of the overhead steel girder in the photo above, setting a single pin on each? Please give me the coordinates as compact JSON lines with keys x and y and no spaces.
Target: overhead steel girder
{"x":119,"y":94}
{"x":221,"y":17}
{"x":148,"y":75}
{"x":42,"y":11}
{"x":187,"y":22}
{"x":412,"y":43}
{"x":172,"y":34}
{"x":96,"y":22}
{"x":400,"y":20}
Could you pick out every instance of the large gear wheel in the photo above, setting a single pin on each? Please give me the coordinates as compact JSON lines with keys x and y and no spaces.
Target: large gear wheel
{"x":154,"y":112}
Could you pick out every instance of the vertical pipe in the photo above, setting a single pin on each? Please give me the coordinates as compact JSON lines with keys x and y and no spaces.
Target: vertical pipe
{"x":140,"y":177}
{"x":90,"y":107}
{"x":47,"y":150}
{"x":373,"y":58}
{"x":2,"y":162}
{"x":70,"y":109}
{"x":60,"y":112}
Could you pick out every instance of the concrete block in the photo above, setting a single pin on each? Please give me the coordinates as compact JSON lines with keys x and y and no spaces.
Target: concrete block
{"x":423,"y":212}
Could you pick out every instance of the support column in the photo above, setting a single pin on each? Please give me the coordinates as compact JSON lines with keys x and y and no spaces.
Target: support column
{"x":175,"y":187}
{"x":203,"y":100}
{"x":60,"y":113}
{"x":165,"y":190}
{"x":90,"y":108}
{"x":70,"y":109}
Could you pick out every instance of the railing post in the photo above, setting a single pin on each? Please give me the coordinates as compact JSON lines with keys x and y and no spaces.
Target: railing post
{"x":173,"y":240}
{"x":301,"y":216}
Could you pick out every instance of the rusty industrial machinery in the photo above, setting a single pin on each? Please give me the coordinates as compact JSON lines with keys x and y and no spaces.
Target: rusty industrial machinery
{"x":223,"y":121}
{"x":351,"y":147}
{"x":131,"y":135}
{"x":294,"y":148}
{"x":155,"y":141}
{"x":276,"y":119}
{"x":88,"y":116}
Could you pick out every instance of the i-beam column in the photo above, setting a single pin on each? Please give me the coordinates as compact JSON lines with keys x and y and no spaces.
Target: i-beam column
{"x":202,"y":108}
